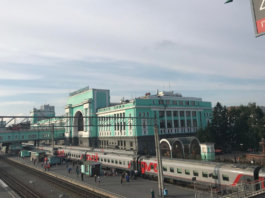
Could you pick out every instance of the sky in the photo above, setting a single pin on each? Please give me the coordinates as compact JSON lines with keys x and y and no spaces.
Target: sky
{"x":204,"y":49}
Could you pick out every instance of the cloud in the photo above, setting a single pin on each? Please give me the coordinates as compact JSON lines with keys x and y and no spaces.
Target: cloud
{"x":11,"y":75}
{"x":15,"y":91}
{"x":14,"y":103}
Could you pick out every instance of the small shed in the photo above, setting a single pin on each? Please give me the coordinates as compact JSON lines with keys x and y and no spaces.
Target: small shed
{"x":24,"y":153}
{"x":38,"y":155}
{"x":53,"y":160}
{"x":207,"y":151}
{"x":91,"y":168}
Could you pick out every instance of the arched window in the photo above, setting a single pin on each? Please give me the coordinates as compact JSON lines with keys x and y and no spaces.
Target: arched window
{"x":80,"y":122}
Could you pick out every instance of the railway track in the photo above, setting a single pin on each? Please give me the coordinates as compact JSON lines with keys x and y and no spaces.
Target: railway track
{"x":82,"y":192}
{"x":21,"y":189}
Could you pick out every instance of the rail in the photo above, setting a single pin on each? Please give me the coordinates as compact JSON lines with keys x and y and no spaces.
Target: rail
{"x":66,"y":183}
{"x":21,"y":189}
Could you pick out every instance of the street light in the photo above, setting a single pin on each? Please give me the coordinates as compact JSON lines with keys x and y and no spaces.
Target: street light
{"x":194,"y":181}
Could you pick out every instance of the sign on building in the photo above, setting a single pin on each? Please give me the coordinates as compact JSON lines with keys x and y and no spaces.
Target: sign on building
{"x":258,"y":12}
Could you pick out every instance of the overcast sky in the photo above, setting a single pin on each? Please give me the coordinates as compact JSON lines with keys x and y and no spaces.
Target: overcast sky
{"x":198,"y":48}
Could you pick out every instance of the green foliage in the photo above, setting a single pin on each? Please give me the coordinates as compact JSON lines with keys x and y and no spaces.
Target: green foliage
{"x":237,"y":128}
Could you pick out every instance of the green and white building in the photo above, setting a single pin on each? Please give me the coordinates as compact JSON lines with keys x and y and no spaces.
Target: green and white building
{"x":129,"y":125}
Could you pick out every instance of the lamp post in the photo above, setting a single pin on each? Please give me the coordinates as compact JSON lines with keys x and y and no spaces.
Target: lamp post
{"x":159,"y":163}
{"x":194,"y":182}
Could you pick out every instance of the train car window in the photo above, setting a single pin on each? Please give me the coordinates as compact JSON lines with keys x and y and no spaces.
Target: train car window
{"x":108,"y":161}
{"x":105,"y":160}
{"x":204,"y":174}
{"x":120,"y":162}
{"x":171,"y":170}
{"x":116,"y":162}
{"x":195,"y":173}
{"x":187,"y":172}
{"x":164,"y":168}
{"x":179,"y":170}
{"x":112,"y":161}
{"x":225,"y":177}
{"x":214,"y":176}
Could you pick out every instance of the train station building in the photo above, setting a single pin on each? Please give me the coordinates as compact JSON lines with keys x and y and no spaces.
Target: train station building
{"x":93,"y":121}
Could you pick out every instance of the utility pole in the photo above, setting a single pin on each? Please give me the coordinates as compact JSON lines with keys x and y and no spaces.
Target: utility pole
{"x":52,"y":133}
{"x":159,"y":164}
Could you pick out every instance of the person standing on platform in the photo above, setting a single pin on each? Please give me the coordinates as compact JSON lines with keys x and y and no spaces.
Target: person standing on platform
{"x":152,"y":193}
{"x":95,"y":176}
{"x":77,"y":171}
{"x":98,"y":179}
{"x":121,"y":179}
{"x":82,"y":176}
{"x":69,"y":170}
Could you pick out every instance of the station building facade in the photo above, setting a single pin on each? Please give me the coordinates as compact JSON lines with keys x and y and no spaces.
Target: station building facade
{"x":95,"y":122}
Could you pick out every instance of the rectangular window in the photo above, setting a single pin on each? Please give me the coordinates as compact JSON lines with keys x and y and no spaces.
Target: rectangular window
{"x":194,"y":123}
{"x":171,"y":170}
{"x":215,"y":176}
{"x":195,"y":173}
{"x":162,"y":124}
{"x":182,"y":123}
{"x":179,"y":170}
{"x":204,"y":174}
{"x":176,"y":123}
{"x":181,"y":103}
{"x":187,"y":172}
{"x":175,"y":113}
{"x":225,"y":177}
{"x":188,"y":123}
{"x":187,"y":103}
{"x":174,"y":102}
{"x":193,"y":103}
{"x":181,"y":113}
{"x":161,"y":114}
{"x":165,"y":168}
{"x":188,"y":113}
{"x":169,"y":124}
{"x":194,"y":114}
{"x":168,"y":113}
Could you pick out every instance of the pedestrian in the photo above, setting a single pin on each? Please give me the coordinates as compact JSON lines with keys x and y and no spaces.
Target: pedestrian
{"x":49,"y":166}
{"x":127,"y":178}
{"x":45,"y":167}
{"x":152,"y":193}
{"x":95,"y":176}
{"x":82,"y":176}
{"x":69,"y":170}
{"x":121,"y":179}
{"x":98,"y":179}
{"x":77,"y":171}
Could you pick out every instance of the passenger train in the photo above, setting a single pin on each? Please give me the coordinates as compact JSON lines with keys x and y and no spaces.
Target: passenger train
{"x":209,"y":173}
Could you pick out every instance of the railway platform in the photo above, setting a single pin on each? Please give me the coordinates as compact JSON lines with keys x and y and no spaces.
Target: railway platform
{"x":134,"y":188}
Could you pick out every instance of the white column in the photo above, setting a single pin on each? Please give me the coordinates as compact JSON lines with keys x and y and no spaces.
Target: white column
{"x":179,"y":121}
{"x":185,"y":118}
{"x":172,"y":114}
